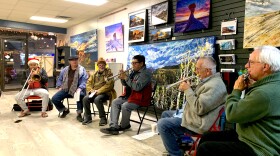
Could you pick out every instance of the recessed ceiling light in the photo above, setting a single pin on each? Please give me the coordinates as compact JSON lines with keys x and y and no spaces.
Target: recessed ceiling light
{"x":89,"y":2}
{"x":48,"y":19}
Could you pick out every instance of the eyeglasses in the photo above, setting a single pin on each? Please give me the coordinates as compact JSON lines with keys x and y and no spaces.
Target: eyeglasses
{"x":199,"y":69}
{"x":252,"y":62}
{"x":134,"y":63}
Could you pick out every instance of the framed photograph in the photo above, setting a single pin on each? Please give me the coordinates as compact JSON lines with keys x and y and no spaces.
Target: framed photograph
{"x":114,"y":37}
{"x":227,"y":70}
{"x":226,"y":44}
{"x":137,"y":26}
{"x":159,"y":34}
{"x":229,"y":27}
{"x":137,"y":19}
{"x":159,"y":13}
{"x":192,"y":15}
{"x":136,"y":34}
{"x":227,"y":59}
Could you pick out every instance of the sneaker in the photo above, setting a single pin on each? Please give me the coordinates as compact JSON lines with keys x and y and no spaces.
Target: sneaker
{"x":79,"y":118}
{"x":103,"y":121}
{"x":125,"y":128}
{"x":64,"y":113}
{"x":87,"y":121}
{"x":110,"y":130}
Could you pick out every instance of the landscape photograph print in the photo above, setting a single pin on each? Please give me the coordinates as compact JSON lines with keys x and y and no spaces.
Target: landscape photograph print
{"x":192,"y":15}
{"x":159,"y":13}
{"x":137,"y":26}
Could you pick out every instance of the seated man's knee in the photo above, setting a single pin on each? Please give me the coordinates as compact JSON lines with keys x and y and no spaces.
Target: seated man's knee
{"x":161,"y":124}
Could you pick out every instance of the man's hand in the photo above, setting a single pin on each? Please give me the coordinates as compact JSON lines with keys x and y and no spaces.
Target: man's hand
{"x":122,"y":75}
{"x":30,"y":81}
{"x":79,"y":90}
{"x":184,"y":85}
{"x":240,"y":83}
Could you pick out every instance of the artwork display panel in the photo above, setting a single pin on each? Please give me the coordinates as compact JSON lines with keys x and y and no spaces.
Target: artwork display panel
{"x":192,"y":15}
{"x":137,"y":26}
{"x":261,"y":26}
{"x":159,"y":55}
{"x":114,"y":37}
{"x":227,"y":44}
{"x":167,"y":62}
{"x":85,"y":46}
{"x":229,"y":27}
{"x":159,"y":13}
{"x":159,"y":34}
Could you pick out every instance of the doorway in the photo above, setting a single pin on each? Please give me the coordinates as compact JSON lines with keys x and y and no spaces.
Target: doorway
{"x":13,"y":57}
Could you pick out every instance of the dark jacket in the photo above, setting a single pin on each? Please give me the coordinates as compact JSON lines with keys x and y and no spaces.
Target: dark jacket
{"x":42,"y":73}
{"x":141,"y":89}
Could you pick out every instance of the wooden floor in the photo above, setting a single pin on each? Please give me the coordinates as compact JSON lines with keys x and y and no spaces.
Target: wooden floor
{"x":53,"y":136}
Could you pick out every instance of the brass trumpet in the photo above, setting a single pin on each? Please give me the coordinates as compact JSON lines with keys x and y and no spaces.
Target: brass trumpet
{"x":178,"y":82}
{"x":114,"y":76}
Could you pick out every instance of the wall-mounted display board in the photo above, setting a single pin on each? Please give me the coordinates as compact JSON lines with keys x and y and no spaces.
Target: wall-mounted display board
{"x":261,"y":24}
{"x":192,"y":15}
{"x":159,"y":13}
{"x":85,"y":46}
{"x":137,"y":26}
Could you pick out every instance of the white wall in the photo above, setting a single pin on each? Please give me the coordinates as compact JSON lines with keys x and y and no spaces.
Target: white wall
{"x":100,"y":25}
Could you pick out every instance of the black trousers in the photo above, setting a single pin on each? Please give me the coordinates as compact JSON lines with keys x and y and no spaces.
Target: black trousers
{"x":223,"y":143}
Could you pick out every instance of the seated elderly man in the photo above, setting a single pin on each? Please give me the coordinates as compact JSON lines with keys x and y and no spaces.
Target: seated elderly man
{"x":202,"y":106}
{"x":256,"y":115}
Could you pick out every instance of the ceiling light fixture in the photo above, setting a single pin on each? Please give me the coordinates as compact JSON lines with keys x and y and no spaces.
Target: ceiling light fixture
{"x":47,"y":19}
{"x":89,"y":2}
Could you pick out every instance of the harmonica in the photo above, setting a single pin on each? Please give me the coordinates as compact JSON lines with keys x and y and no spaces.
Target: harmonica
{"x":246,"y":76}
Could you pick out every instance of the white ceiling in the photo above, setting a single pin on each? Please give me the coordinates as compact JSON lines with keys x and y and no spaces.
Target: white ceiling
{"x":22,"y":10}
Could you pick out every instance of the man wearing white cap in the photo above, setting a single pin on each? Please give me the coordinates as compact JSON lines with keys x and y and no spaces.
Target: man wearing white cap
{"x":36,"y":85}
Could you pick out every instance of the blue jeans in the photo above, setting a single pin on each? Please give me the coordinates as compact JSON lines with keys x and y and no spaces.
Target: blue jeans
{"x":61,"y":95}
{"x":170,"y":130}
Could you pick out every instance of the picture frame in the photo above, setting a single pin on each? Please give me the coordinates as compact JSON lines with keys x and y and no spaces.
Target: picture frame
{"x":137,"y":26}
{"x":227,"y":59}
{"x":227,"y":70}
{"x":229,"y":27}
{"x":226,"y":44}
{"x":192,"y":15}
{"x":159,"y":13}
{"x":159,"y":34}
{"x":114,"y":38}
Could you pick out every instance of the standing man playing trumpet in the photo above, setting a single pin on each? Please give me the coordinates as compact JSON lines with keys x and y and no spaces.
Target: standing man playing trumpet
{"x":36,"y":84}
{"x":139,"y":81}
{"x":201,"y":110}
{"x":102,"y":89}
{"x":72,"y":79}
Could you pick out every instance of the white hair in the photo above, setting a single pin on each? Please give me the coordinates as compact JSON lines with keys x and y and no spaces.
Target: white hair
{"x":209,"y":62}
{"x":269,"y":55}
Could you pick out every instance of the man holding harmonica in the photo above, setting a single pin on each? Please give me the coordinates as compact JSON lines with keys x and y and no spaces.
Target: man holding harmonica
{"x":202,"y":106}
{"x":35,"y":84}
{"x":257,"y":115}
{"x":139,"y":81}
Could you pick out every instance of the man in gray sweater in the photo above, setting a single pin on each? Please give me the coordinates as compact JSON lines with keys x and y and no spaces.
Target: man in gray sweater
{"x":202,"y":108}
